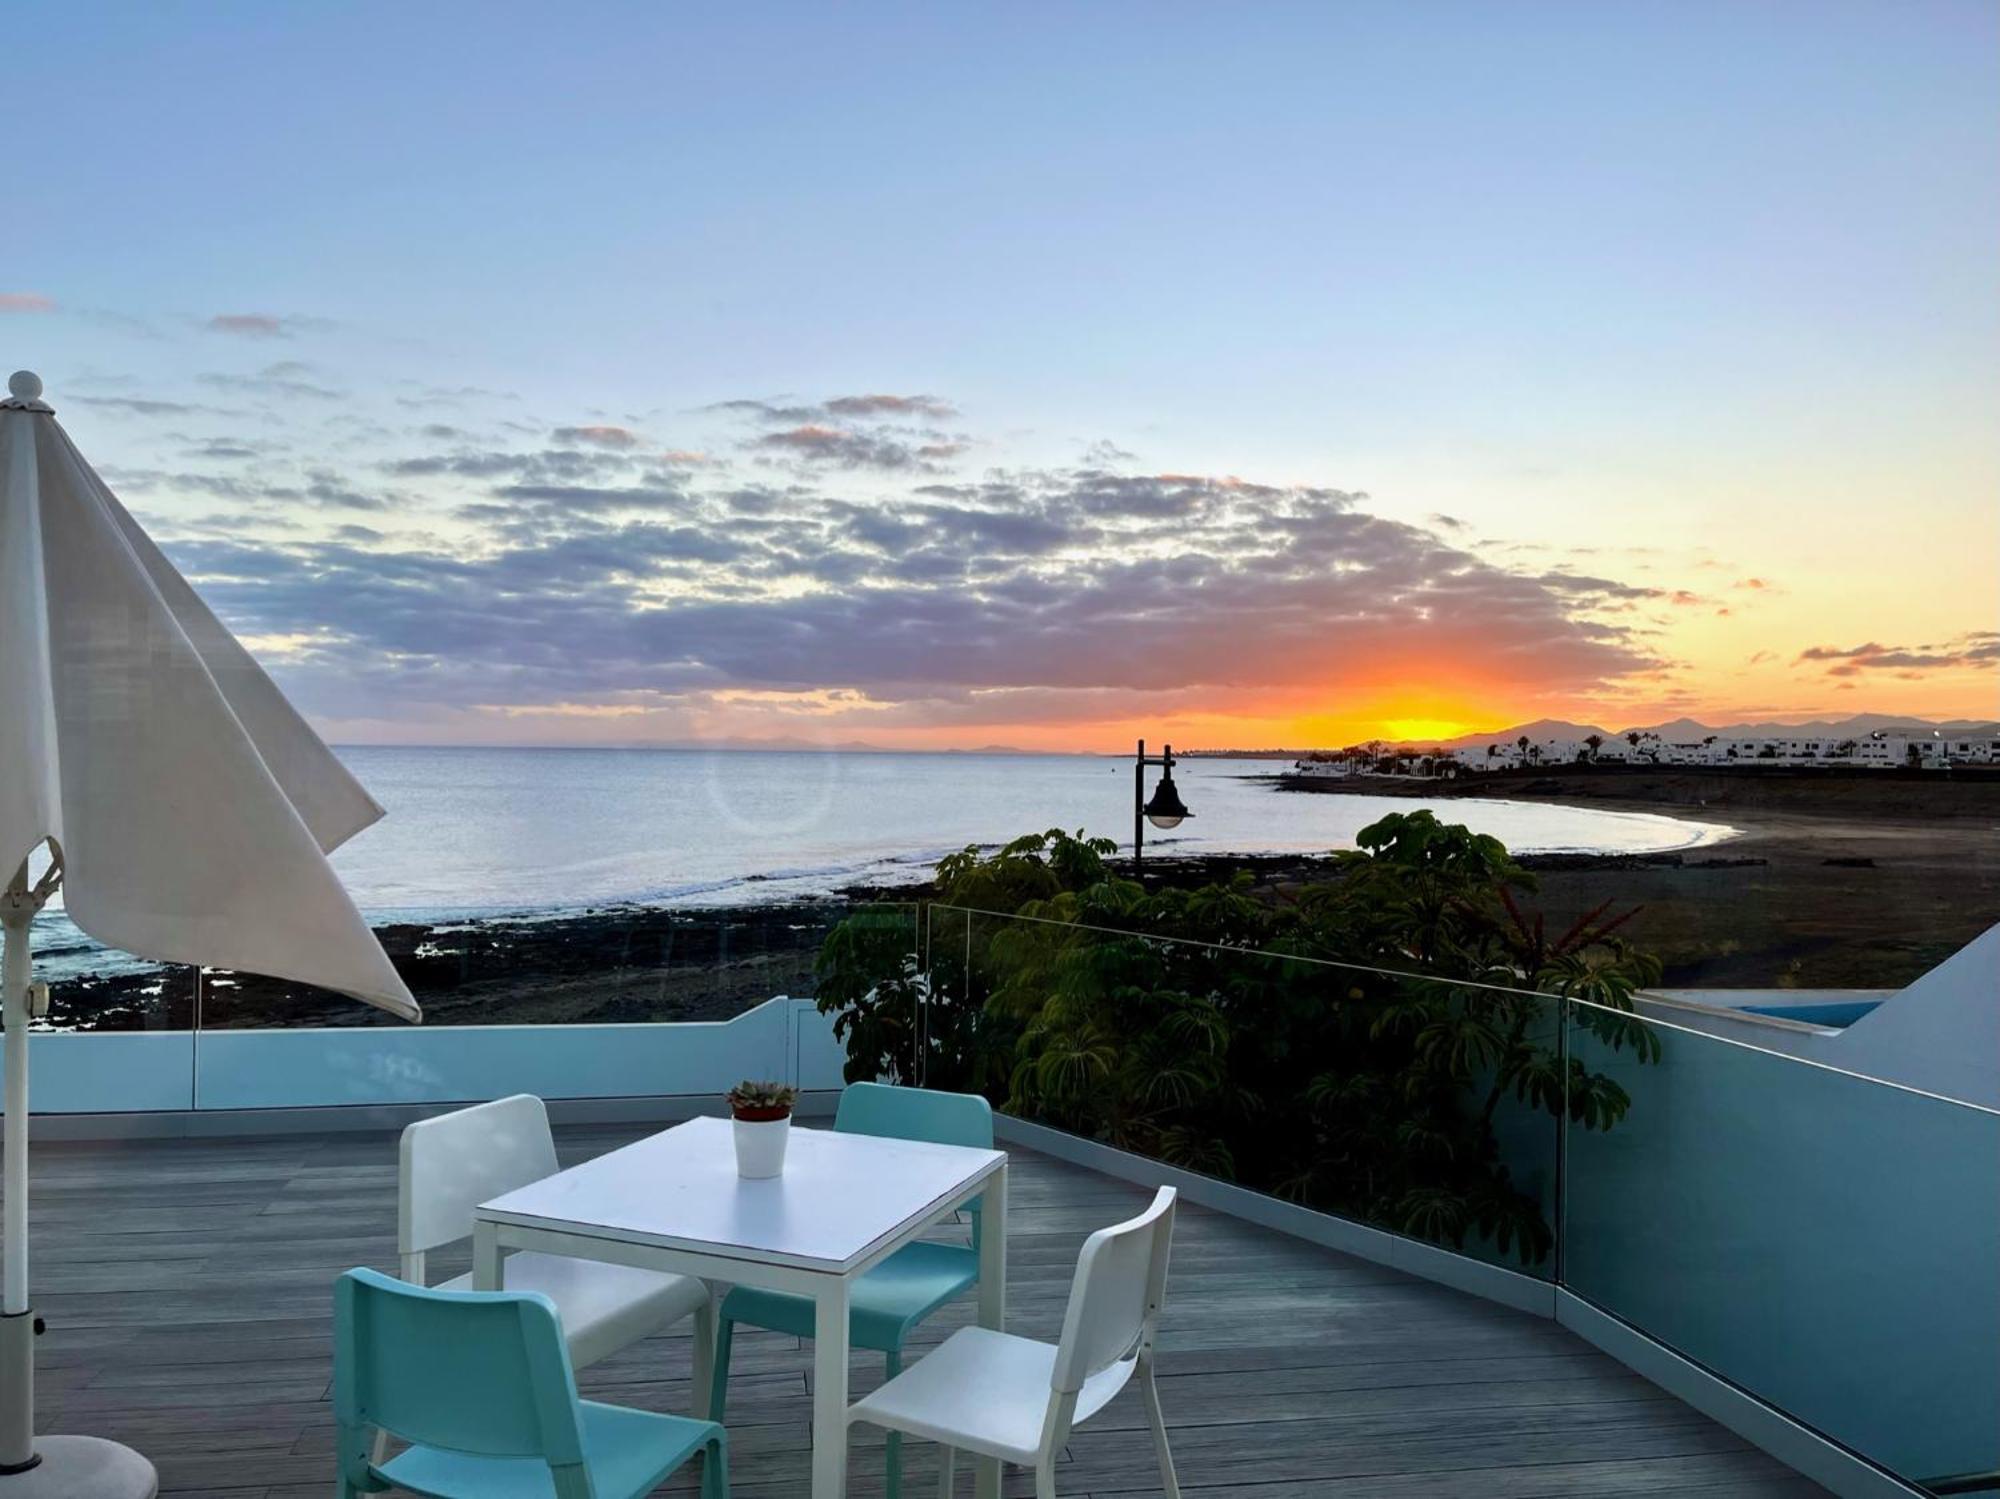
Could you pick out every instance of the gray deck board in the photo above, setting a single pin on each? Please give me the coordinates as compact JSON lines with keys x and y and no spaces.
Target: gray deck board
{"x":187,"y":1286}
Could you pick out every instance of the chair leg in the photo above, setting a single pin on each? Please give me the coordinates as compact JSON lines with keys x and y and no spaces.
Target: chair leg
{"x":892,"y":1482}
{"x":1045,"y":1478}
{"x":947,"y":1464}
{"x":369,"y":1449}
{"x":718,"y":1388}
{"x":1150,"y":1392}
{"x":715,"y":1469}
{"x":702,"y":1394}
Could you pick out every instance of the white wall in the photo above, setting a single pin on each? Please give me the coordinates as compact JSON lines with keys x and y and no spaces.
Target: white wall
{"x":162,"y":1071}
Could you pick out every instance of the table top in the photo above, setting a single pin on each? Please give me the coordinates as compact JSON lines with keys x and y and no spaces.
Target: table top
{"x":840,"y":1197}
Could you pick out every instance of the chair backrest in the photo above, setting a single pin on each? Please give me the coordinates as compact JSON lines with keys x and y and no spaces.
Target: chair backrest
{"x":447,"y":1166}
{"x":1114,"y":1302}
{"x":478,"y":1372}
{"x":899,"y":1113}
{"x":915,"y":1114}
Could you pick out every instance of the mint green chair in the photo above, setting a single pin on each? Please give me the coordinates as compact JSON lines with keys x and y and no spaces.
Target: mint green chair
{"x":479,"y":1384}
{"x":891,"y":1299}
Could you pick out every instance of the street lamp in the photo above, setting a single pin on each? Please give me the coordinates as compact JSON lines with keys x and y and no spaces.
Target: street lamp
{"x":1166,"y":809}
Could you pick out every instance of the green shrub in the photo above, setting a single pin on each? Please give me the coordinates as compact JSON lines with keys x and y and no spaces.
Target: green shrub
{"x":1209,"y":1027}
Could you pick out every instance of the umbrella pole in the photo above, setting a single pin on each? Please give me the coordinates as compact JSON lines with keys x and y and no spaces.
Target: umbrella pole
{"x":54,"y":1467}
{"x":17,"y":1336}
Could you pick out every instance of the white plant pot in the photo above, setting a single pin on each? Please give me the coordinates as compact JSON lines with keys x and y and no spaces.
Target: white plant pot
{"x":760,"y":1146}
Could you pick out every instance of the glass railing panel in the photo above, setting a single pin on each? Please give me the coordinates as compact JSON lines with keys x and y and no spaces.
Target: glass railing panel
{"x":942,"y":1014}
{"x":869,"y":974}
{"x":590,"y":968}
{"x":1419,"y":1105}
{"x":96,"y":988}
{"x":1829,"y":1243}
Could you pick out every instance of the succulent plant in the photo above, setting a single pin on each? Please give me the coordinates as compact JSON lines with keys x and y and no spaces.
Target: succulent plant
{"x":762,"y":1101}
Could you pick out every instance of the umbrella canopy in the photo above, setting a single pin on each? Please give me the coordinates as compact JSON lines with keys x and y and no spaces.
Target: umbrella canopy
{"x":188,"y":810}
{"x":190,"y":804}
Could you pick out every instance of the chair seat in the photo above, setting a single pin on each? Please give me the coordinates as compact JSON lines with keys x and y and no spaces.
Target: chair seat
{"x":985,"y":1392}
{"x":628,"y":1453}
{"x":603,"y":1307}
{"x":906,"y":1287}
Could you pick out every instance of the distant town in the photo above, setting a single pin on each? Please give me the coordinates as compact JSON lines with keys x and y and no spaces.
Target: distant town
{"x":1897,"y":747}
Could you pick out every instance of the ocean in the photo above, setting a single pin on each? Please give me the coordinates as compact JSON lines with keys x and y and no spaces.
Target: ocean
{"x":473,"y":832}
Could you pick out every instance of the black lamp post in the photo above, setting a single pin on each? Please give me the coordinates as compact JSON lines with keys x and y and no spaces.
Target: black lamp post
{"x":1166,"y":809}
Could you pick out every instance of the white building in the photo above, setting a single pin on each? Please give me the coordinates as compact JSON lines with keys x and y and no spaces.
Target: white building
{"x":1884,"y":749}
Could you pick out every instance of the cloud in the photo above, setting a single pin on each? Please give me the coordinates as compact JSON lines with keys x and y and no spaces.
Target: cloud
{"x":138,"y":405}
{"x":533,"y":466}
{"x":1058,"y":592}
{"x":864,"y":407}
{"x":819,"y":444}
{"x":249,"y":325}
{"x":25,"y":301}
{"x":583,"y":497}
{"x":1608,"y":588}
{"x":603,"y":437}
{"x":228,"y":448}
{"x":256,"y":325}
{"x":317,"y":488}
{"x":1105,"y":454}
{"x":1979,"y":648}
{"x":285,"y":378}
{"x":768,"y":411}
{"x":882,"y":405}
{"x":452,"y":395}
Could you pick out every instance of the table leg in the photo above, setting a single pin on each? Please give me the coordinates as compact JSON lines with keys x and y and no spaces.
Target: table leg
{"x":704,"y":1353}
{"x":992,"y":1301}
{"x":829,"y":1456}
{"x":485,"y":1257}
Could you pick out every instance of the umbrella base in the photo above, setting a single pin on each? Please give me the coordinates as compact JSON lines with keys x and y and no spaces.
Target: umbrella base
{"x":82,"y":1468}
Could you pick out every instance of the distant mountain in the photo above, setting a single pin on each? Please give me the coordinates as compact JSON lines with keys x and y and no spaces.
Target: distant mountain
{"x":1540,"y":729}
{"x":1688,"y":729}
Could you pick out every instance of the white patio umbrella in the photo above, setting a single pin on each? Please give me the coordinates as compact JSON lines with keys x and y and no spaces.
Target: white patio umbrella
{"x":186,"y":807}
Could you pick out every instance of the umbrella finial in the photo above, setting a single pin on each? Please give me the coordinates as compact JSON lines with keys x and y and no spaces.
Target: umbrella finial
{"x":24,"y":393}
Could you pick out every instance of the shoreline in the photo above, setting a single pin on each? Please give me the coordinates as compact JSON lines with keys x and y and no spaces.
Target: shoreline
{"x":1833,"y":895}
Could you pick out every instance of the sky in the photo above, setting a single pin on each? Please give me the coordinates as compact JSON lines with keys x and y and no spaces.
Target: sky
{"x":1039,"y":375}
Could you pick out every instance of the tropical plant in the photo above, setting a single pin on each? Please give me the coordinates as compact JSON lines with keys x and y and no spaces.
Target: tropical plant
{"x":1370,"y":1044}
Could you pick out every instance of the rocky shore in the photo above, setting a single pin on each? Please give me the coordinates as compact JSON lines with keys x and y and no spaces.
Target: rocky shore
{"x":608,"y":965}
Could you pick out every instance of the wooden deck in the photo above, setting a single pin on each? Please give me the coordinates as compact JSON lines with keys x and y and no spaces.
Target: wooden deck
{"x":187,"y":1286}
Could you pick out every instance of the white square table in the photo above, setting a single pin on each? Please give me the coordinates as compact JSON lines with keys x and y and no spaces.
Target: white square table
{"x":674,"y":1202}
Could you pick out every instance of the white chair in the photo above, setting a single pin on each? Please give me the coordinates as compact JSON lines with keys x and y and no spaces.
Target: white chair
{"x":449,"y":1165}
{"x":1015,"y":1399}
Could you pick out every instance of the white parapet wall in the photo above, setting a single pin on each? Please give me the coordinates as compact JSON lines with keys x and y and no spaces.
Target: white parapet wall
{"x":151,"y":1072}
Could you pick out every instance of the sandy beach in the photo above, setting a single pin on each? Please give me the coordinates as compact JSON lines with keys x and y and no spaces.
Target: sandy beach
{"x":1833,"y":881}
